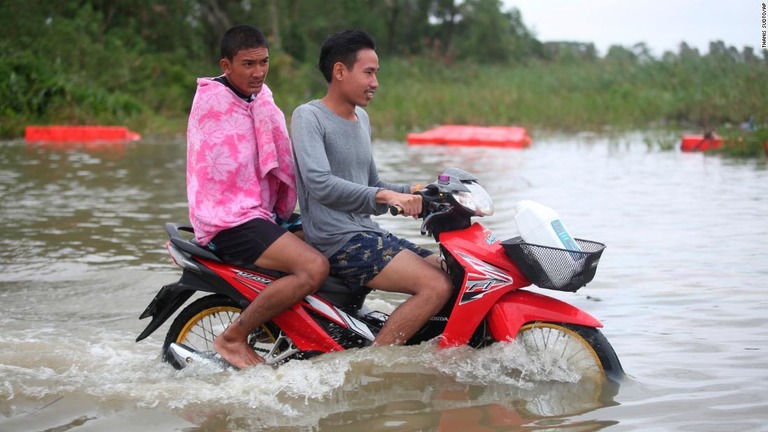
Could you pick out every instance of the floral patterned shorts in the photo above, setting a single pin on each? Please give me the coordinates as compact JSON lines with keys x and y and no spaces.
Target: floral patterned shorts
{"x":365,"y":255}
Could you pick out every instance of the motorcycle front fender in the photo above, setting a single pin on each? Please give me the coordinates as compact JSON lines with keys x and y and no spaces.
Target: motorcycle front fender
{"x":518,"y":308}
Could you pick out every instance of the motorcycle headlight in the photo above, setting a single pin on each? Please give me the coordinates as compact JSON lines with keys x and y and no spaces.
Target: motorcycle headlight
{"x":476,"y":201}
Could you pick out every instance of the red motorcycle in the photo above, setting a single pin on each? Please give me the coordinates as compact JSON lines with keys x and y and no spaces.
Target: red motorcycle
{"x":489,"y":303}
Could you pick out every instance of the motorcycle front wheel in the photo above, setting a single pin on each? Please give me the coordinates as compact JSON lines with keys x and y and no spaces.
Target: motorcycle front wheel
{"x":584,"y":348}
{"x":203,"y":320}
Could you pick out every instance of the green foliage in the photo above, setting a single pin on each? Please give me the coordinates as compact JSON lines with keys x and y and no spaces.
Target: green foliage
{"x":89,"y":64}
{"x":135,"y":62}
{"x":745,"y":143}
{"x":665,"y":140}
{"x":571,"y":96}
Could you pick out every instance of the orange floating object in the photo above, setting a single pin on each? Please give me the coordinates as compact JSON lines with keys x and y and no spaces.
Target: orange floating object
{"x":61,"y":133}
{"x":456,"y":135}
{"x":693,"y":143}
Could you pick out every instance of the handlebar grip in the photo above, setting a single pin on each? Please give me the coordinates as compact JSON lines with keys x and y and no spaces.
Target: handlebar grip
{"x":395,"y":210}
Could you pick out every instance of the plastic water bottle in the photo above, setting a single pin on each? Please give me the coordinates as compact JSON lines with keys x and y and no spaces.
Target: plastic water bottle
{"x":540,"y":225}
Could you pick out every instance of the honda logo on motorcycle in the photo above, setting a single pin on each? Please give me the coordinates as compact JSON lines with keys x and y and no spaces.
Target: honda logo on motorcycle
{"x":482,"y":278}
{"x":245,"y":278}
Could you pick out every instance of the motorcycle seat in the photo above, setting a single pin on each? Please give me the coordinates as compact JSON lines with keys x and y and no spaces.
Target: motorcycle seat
{"x":192,"y":247}
{"x":339,"y":293}
{"x":188,"y":245}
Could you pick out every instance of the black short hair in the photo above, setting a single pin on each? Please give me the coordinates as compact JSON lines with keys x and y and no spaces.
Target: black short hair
{"x":343,"y":47}
{"x":241,"y":37}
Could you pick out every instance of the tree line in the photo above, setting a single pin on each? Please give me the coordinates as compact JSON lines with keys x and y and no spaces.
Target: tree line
{"x":135,"y":61}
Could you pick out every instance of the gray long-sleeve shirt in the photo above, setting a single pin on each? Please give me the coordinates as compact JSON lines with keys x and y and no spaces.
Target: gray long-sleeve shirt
{"x":336,"y":176}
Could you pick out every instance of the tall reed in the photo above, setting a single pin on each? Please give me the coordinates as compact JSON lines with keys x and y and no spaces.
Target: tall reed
{"x":570,"y":96}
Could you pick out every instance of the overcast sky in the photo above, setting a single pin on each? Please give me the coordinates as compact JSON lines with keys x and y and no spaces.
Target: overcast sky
{"x":661,"y":24}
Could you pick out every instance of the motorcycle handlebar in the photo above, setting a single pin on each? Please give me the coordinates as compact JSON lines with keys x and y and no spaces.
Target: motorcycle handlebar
{"x":428,"y":204}
{"x":433,"y":205}
{"x":395,"y":210}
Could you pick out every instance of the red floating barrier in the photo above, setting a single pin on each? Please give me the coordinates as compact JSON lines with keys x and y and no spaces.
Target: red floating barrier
{"x":693,"y":143}
{"x":83,"y":134}
{"x":456,"y":135}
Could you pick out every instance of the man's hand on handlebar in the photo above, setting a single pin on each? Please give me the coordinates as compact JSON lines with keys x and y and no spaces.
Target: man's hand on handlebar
{"x":407,"y":204}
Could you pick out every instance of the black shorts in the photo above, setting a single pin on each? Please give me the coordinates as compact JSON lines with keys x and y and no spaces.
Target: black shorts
{"x":244,"y":244}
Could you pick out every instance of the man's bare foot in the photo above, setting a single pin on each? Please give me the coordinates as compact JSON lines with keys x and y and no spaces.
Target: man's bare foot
{"x":236,"y":353}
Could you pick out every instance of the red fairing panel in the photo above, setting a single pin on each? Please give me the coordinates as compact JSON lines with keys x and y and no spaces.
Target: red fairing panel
{"x":295,"y":322}
{"x":304,"y":331}
{"x":518,"y":308}
{"x":489,"y":274}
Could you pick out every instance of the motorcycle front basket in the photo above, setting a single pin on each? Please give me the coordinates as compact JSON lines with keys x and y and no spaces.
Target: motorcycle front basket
{"x":553,"y":268}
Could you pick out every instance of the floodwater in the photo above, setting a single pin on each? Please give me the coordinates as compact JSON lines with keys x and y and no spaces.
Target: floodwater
{"x":682,"y":291}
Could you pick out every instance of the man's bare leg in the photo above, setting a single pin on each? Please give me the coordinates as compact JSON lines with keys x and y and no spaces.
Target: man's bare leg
{"x":232,"y":344}
{"x":307,"y":269}
{"x":429,"y":287}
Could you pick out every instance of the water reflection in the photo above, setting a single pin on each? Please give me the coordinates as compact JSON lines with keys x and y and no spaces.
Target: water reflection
{"x":680,"y":289}
{"x":101,"y":204}
{"x":414,"y":396}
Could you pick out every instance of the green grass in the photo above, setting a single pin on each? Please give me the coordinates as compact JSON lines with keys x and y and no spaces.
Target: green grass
{"x":569,"y":97}
{"x":416,"y":94}
{"x":745,"y":144}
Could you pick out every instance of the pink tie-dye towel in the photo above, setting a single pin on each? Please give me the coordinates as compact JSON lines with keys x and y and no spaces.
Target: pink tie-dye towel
{"x":239,"y":160}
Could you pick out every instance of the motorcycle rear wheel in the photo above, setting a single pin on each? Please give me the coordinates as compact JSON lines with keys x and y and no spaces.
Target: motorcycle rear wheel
{"x":203,"y":320}
{"x":584,"y":348}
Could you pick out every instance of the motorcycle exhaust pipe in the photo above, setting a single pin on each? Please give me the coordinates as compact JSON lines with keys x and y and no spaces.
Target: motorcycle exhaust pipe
{"x":185,"y":356}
